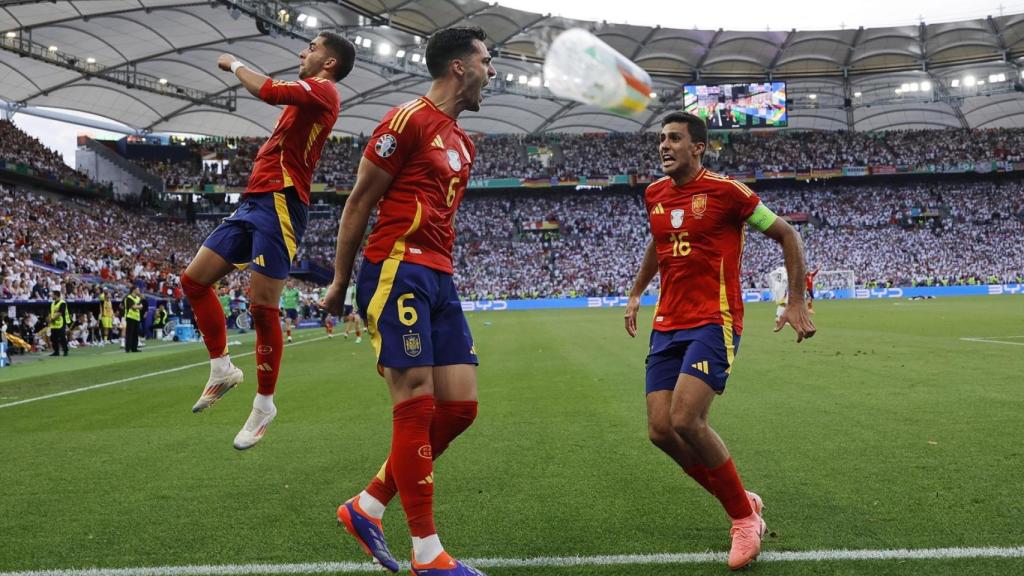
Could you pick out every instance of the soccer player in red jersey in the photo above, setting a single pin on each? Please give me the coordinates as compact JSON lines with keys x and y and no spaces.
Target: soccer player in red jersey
{"x":810,"y":288}
{"x":266,"y":229}
{"x":697,"y":221}
{"x":415,"y":169}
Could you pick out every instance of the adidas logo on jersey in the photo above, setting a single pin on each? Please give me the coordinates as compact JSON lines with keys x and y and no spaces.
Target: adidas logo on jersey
{"x":659,"y":209}
{"x":702,"y":366}
{"x":437,"y":142}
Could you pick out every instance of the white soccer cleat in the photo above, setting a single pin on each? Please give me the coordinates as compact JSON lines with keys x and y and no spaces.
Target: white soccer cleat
{"x":220,"y":383}
{"x":254,"y":429}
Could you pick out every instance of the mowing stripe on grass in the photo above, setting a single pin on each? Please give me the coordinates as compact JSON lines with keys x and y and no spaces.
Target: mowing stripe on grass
{"x":995,"y":341}
{"x":139,"y":377}
{"x":541,"y":562}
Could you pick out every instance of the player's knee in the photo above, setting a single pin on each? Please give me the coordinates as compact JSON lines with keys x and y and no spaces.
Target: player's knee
{"x":660,"y":434}
{"x":190,"y":287}
{"x":689,"y":426}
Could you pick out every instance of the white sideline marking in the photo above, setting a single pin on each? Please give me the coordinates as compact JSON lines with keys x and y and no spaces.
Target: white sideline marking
{"x":141,"y":376}
{"x":540,"y":562}
{"x":995,"y":341}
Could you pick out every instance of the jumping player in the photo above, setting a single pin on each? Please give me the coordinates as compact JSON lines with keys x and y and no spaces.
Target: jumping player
{"x":697,"y":221}
{"x":266,"y":229}
{"x":415,"y":169}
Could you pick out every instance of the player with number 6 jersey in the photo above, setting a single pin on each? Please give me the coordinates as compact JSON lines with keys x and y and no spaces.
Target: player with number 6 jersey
{"x":415,"y":169}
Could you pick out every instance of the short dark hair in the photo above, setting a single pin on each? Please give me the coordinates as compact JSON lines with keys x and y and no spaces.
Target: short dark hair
{"x":342,"y":50}
{"x":695,"y":124}
{"x":449,"y":44}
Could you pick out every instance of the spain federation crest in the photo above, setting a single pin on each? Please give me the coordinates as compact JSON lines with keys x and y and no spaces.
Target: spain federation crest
{"x":413,"y":347}
{"x":677,"y":217}
{"x":698,"y":205}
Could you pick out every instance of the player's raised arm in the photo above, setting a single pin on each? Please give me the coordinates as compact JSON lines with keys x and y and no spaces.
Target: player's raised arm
{"x":793,"y":253}
{"x":251,"y":80}
{"x":371,"y":184}
{"x":648,"y":268}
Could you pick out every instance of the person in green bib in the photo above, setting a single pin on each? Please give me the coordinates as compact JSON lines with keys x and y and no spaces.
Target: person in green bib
{"x":132,"y":307}
{"x":290,"y":302}
{"x":60,"y":319}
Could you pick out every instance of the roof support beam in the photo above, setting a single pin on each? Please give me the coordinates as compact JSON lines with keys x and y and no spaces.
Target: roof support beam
{"x":123,"y":75}
{"x":703,"y":58}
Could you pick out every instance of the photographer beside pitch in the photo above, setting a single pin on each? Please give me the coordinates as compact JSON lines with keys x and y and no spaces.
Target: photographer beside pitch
{"x":697,"y":221}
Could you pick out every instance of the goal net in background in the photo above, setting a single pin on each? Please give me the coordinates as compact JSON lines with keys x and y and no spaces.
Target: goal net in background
{"x":828,"y":284}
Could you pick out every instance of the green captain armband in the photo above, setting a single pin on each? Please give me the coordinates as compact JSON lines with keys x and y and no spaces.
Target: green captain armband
{"x":762,"y":218}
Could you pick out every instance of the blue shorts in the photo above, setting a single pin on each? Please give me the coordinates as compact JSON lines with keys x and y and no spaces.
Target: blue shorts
{"x":292,"y":313}
{"x":347,"y":311}
{"x":413,"y":315}
{"x":706,"y":352}
{"x":263,"y":232}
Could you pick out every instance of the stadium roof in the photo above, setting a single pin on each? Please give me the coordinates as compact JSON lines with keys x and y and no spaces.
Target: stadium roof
{"x":93,"y":56}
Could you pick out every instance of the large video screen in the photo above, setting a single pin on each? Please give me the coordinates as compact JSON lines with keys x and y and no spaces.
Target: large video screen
{"x":760,"y":105}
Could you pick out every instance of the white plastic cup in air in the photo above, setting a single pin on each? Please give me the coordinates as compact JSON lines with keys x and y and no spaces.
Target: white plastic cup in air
{"x":581,"y":67}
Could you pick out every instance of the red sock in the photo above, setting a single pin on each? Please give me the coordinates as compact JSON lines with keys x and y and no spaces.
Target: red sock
{"x":729,"y":490}
{"x":358,"y":333}
{"x":451,"y":418}
{"x":209,"y":315}
{"x":269,"y":346}
{"x":412,"y":462}
{"x":289,"y":331}
{"x":699,"y":472}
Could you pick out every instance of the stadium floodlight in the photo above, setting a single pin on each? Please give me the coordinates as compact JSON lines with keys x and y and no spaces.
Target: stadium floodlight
{"x":301,"y":18}
{"x":1000,"y":77}
{"x":400,"y":54}
{"x":523,"y":79}
{"x":415,"y":58}
{"x":11,"y":34}
{"x":970,"y":81}
{"x":52,"y":48}
{"x":90,"y":60}
{"x":163,"y":81}
{"x":311,"y":22}
{"x":653,"y":95}
{"x":811,"y":96}
{"x":926,"y":86}
{"x":914,"y":86}
{"x":955,"y":83}
{"x":981,"y":82}
{"x":367,"y":42}
{"x":904,"y":87}
{"x":510,"y":77}
{"x":856,"y":94}
{"x":384,"y":49}
{"x":534,"y":82}
{"x":359,"y":40}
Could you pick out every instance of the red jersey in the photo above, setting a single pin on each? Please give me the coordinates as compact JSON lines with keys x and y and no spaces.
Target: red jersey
{"x":810,"y":279}
{"x":289,"y":156}
{"x":429,"y":156}
{"x":698,"y":231}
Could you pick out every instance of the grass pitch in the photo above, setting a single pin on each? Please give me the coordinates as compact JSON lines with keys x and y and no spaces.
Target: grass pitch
{"x":886,"y":430}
